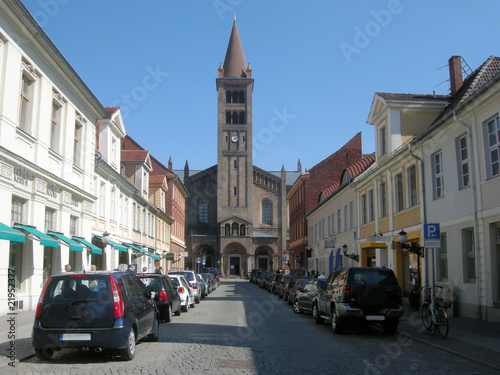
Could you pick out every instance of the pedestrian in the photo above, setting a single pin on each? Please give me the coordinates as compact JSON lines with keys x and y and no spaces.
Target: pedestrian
{"x":144,"y":269}
{"x":131,"y":268}
{"x":312,"y":274}
{"x":159,"y":270}
{"x":67,"y":268}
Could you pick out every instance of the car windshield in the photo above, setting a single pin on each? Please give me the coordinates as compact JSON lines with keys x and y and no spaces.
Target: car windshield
{"x":188,"y":275}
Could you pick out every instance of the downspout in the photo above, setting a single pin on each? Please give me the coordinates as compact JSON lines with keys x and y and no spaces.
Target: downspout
{"x":424,"y":206}
{"x":474,"y":208}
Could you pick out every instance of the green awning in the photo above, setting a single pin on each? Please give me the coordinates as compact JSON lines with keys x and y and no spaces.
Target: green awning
{"x":117,"y":246}
{"x":9,"y":234}
{"x":155,"y":257}
{"x":44,"y":239}
{"x":92,"y":247}
{"x":136,"y":248}
{"x":75,"y":246}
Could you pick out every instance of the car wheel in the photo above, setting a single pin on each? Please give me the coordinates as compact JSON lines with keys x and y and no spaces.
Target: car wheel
{"x":168,"y":314}
{"x":316,"y":314}
{"x":197,"y":300}
{"x":128,"y":352}
{"x":193,"y":303}
{"x":44,"y":354}
{"x":185,"y":308}
{"x":391,"y":326}
{"x":179,"y":310}
{"x":296,"y":308}
{"x":337,"y":324}
{"x":155,"y":331}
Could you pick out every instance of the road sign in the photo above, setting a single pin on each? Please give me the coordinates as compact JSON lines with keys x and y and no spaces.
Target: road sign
{"x":434,"y":244}
{"x":432,"y":232}
{"x":284,"y":259}
{"x":198,"y":260}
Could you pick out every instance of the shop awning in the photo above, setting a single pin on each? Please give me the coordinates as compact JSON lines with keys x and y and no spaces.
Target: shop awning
{"x":93,"y":248}
{"x":44,"y":239}
{"x":75,"y":246}
{"x":9,"y":234}
{"x":136,"y":248}
{"x":117,"y":246}
{"x":155,"y":257}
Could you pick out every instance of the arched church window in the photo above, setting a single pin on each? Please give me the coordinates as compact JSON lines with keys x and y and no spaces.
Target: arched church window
{"x":242,"y":230}
{"x":241,"y":97}
{"x":203,"y":211}
{"x":266,"y":212}
{"x":235,"y":229}
{"x":228,"y":117}
{"x":241,"y":119}
{"x":228,"y":96}
{"x":227,"y":230}
{"x":235,"y":97}
{"x":235,"y":118}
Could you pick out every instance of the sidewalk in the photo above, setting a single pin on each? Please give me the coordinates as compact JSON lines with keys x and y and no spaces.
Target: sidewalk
{"x":469,"y":338}
{"x":475,"y":340}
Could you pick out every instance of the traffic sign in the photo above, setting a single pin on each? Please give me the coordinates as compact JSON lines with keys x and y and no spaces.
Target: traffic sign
{"x":433,"y":244}
{"x":198,"y":260}
{"x":432,"y":231}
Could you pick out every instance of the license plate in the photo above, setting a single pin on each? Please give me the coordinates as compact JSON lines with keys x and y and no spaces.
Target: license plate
{"x":375,"y":317}
{"x":75,"y":337}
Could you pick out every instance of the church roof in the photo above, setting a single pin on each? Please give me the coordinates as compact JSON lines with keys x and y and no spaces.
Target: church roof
{"x":234,"y":63}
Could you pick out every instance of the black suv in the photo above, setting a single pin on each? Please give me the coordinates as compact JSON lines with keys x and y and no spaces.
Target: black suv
{"x":94,"y":311}
{"x":360,"y":294}
{"x":165,"y":294}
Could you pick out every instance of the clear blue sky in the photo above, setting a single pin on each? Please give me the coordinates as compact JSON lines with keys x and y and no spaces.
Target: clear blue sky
{"x":316,"y":65}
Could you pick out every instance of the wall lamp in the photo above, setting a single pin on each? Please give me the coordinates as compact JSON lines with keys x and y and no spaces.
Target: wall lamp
{"x":106,"y":237}
{"x":350,"y":256}
{"x":412,"y":246}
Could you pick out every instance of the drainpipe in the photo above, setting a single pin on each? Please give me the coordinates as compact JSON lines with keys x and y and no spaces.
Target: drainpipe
{"x":422,"y":192}
{"x":474,"y":208}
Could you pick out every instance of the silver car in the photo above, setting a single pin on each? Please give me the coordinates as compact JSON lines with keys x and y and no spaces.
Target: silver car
{"x":185,"y":291}
{"x":193,"y":281}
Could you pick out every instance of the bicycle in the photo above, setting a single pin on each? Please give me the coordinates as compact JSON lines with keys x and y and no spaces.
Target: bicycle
{"x":434,"y":315}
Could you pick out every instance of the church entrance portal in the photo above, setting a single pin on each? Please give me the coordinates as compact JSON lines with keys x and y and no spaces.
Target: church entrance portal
{"x":234,"y":264}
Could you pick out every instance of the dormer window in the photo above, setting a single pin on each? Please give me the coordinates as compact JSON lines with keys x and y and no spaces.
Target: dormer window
{"x":382,"y":141}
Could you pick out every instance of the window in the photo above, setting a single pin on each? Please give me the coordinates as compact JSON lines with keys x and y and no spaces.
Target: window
{"x":400,"y":205}
{"x":114,"y":150}
{"x":382,"y":141}
{"x":266,"y":212}
{"x":55,"y":126}
{"x":351,"y":215}
{"x":370,"y":206}
{"x":112,"y":204}
{"x":442,"y":266}
{"x":463,"y":162}
{"x":102,"y":200}
{"x":346,"y":222}
{"x":496,"y":243}
{"x":50,"y":219}
{"x":339,"y":227}
{"x":203,"y":211}
{"x":412,"y":185}
{"x":73,"y":226}
{"x":363,"y":209}
{"x":26,"y":104}
{"x":469,"y":255}
{"x":383,"y":200}
{"x":235,"y":191}
{"x":77,"y":145}
{"x":235,"y":117}
{"x":493,"y":131}
{"x":242,"y":230}
{"x":17,"y":210}
{"x":235,"y":163}
{"x":437,"y":175}
{"x":235,"y":228}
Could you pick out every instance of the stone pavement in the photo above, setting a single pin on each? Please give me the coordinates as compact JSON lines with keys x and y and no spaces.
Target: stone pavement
{"x":472,"y":339}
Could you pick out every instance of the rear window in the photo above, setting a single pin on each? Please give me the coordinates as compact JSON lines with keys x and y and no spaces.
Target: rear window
{"x":152,"y":283}
{"x":175,"y":282}
{"x":384,"y":277}
{"x":188,"y":275}
{"x":79,"y":288}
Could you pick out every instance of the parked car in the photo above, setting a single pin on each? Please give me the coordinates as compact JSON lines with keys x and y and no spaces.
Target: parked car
{"x":190,"y":276}
{"x":305,"y":295}
{"x":360,"y":294}
{"x":202,"y":285}
{"x":266,"y":281}
{"x":185,"y":291}
{"x":281,"y":285}
{"x":210,"y":281}
{"x":164,"y":293}
{"x":273,"y":286}
{"x":253,"y":274}
{"x":94,"y":311}
{"x":293,"y":290}
{"x":214,"y":272}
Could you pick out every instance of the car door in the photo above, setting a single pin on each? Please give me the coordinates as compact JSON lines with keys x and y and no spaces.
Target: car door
{"x":139,"y":306}
{"x":325,"y":296}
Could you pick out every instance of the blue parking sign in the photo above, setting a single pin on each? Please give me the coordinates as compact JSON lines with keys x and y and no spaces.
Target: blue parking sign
{"x":432,"y":231}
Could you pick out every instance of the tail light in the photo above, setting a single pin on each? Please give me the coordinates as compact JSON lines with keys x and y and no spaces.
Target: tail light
{"x":347,"y":291}
{"x":397,"y":291}
{"x":117,"y":297}
{"x":195,"y":286}
{"x":181,"y":289}
{"x":162,"y":296}
{"x":40,"y":300}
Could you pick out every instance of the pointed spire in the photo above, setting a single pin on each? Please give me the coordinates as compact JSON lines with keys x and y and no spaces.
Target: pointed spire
{"x":170,"y":164}
{"x":299,"y":166}
{"x":234,"y":63}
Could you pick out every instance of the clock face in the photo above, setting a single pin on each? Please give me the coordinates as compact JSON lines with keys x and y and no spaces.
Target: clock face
{"x":234,"y":138}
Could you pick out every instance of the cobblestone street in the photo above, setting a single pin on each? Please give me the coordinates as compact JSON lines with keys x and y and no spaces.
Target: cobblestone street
{"x":242,"y":329}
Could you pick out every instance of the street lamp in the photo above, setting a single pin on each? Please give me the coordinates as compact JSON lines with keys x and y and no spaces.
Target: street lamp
{"x":350,"y":256}
{"x":412,"y":247}
{"x":106,"y":237}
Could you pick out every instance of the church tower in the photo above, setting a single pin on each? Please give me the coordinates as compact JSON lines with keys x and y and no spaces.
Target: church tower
{"x":234,"y":135}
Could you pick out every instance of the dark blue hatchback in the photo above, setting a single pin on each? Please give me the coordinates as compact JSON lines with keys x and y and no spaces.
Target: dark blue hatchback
{"x":94,"y":311}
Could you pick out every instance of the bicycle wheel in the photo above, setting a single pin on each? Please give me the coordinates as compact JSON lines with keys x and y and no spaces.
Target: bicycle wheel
{"x":442,"y":324}
{"x":426,"y":316}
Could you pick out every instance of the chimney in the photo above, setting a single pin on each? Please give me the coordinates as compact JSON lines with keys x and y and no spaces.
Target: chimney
{"x":456,"y":79}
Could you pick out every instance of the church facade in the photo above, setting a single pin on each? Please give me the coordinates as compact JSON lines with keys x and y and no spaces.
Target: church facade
{"x":236,"y":213}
